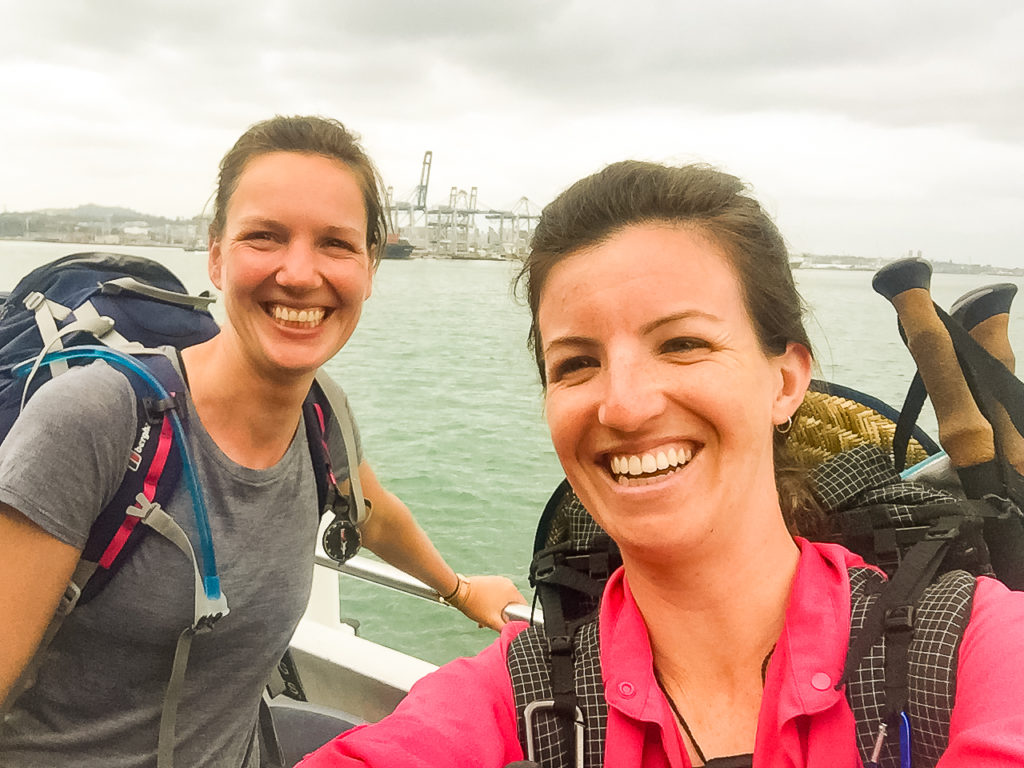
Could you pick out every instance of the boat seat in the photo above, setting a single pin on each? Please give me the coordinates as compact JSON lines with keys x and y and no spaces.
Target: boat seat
{"x":302,"y":727}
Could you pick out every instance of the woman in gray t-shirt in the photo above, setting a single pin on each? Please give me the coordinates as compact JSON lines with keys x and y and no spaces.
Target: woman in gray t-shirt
{"x":297,"y":233}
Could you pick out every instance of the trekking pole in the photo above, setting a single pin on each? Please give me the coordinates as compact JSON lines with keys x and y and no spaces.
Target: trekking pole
{"x":964,"y":432}
{"x":985,"y":315}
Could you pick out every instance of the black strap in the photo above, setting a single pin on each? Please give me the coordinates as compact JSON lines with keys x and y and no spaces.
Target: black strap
{"x":559,"y":637}
{"x":989,"y":380}
{"x":909,"y":414}
{"x":940,"y":617}
{"x":992,"y":386}
{"x":560,"y":574}
{"x":892,"y":615}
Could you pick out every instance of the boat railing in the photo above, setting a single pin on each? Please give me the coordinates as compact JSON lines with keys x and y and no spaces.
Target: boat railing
{"x":385,"y":575}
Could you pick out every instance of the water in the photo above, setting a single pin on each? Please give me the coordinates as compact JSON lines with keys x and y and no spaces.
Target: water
{"x":450,"y":411}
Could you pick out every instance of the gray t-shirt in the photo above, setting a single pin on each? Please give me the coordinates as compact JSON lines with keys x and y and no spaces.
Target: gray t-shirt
{"x":99,"y":691}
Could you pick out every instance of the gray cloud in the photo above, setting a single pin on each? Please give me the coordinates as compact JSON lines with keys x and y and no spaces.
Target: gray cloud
{"x":868,"y":100}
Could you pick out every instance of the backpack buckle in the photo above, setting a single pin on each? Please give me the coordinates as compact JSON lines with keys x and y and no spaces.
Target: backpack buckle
{"x":156,"y":407}
{"x":560,"y":645}
{"x":206,"y":623}
{"x":34,"y":301}
{"x":544,"y":566}
{"x":899,"y":619}
{"x":944,"y":529}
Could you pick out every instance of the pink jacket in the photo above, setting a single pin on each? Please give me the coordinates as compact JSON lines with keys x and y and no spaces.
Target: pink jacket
{"x":463,"y":715}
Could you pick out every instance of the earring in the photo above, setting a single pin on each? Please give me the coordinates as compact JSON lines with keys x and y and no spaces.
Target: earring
{"x":782,"y":429}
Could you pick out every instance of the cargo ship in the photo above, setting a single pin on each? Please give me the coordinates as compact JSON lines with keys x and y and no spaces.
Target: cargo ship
{"x":400,"y":248}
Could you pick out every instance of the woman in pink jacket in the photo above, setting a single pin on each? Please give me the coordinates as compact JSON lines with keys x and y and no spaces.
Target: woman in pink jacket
{"x":670,"y":342}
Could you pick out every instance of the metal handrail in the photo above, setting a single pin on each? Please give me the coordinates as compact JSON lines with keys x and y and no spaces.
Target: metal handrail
{"x":388,"y":576}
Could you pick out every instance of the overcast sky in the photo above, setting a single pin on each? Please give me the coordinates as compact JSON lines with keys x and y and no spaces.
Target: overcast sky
{"x":868,"y":128}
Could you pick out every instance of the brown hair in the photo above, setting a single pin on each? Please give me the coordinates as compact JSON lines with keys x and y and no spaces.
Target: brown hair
{"x":719,"y":206}
{"x":307,"y":135}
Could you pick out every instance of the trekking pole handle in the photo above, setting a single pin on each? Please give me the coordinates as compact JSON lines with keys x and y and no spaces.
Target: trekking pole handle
{"x":985,"y":315}
{"x":964,"y":432}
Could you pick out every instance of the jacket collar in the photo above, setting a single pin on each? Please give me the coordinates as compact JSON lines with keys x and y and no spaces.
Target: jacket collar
{"x":808,"y":658}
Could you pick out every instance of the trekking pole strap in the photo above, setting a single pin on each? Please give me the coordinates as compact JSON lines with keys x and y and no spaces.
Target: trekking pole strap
{"x":988,"y":379}
{"x":909,"y":414}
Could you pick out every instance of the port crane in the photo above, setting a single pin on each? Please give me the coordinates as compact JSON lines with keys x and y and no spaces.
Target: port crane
{"x":451,"y":229}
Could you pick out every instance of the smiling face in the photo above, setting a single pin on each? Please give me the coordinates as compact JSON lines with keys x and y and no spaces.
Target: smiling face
{"x":660,"y":399}
{"x":292,"y":261}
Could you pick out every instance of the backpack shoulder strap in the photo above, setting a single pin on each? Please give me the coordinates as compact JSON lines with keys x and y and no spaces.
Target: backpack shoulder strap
{"x":152,"y":472}
{"x":152,"y":468}
{"x":545,"y":736}
{"x":331,"y":431}
{"x":335,"y":434}
{"x":556,"y":671}
{"x":938,"y":620}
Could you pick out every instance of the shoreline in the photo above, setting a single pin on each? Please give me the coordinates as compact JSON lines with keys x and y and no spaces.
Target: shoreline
{"x":807,"y":262}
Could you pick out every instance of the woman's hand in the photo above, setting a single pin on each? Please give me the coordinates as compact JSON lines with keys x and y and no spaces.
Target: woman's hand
{"x":392,"y":533}
{"x":483,"y":599}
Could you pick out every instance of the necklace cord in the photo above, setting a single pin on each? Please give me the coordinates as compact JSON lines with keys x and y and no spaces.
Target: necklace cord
{"x":682,"y":721}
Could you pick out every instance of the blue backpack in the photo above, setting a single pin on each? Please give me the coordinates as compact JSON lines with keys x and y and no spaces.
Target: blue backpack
{"x":124,"y":309}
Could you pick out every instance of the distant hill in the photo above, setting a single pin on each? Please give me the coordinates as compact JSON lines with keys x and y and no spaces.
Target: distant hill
{"x":94,"y":212}
{"x":100,"y":224}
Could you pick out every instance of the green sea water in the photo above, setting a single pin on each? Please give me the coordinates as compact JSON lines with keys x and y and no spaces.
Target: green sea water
{"x":451,"y":415}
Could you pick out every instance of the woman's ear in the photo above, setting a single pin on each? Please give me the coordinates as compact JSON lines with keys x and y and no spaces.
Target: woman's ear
{"x":215,"y":263}
{"x":369,"y":282}
{"x":794,"y":366}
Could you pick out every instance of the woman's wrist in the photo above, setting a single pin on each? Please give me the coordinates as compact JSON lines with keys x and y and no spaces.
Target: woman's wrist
{"x":454,"y":594}
{"x":457,"y":597}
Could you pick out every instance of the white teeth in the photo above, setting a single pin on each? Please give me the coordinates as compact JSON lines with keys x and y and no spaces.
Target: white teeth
{"x":648,"y":463}
{"x":310,"y":317}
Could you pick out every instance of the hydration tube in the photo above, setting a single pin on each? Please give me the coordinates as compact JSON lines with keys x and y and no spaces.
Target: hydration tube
{"x":207,"y":562}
